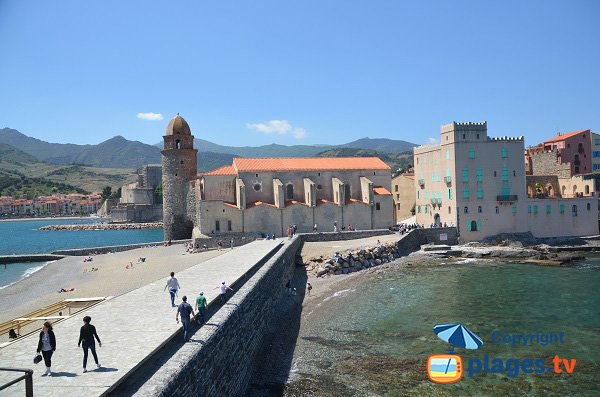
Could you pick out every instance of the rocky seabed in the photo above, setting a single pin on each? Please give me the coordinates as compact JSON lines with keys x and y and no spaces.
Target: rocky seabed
{"x":104,"y":226}
{"x":351,"y":261}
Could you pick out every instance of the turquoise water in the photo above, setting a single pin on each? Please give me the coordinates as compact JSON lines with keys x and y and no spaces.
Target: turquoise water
{"x":374,"y":337}
{"x":22,"y":237}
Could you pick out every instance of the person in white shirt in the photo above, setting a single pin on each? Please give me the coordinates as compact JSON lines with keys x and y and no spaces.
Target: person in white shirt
{"x":173,"y":286}
{"x":223,"y":291}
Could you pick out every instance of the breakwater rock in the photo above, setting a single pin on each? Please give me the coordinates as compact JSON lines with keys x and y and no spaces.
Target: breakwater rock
{"x":104,"y":226}
{"x":351,"y":260}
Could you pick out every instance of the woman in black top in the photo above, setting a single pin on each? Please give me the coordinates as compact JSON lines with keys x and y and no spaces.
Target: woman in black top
{"x":86,"y":336}
{"x":47,"y":345}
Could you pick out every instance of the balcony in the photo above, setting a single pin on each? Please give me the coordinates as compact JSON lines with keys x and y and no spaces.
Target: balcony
{"x":421,"y":182}
{"x":448,"y":180}
{"x":507,"y":197}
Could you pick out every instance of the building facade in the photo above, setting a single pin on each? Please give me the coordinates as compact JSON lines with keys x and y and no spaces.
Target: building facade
{"x":564,"y":155}
{"x":478,"y":184}
{"x":403,"y":192}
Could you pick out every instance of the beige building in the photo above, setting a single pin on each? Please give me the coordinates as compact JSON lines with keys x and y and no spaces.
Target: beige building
{"x":403,"y":192}
{"x":478,"y":184}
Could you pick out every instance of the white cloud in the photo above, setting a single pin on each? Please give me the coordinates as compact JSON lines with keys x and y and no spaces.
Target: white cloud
{"x":150,"y":116}
{"x":279,"y":127}
{"x":432,"y":141}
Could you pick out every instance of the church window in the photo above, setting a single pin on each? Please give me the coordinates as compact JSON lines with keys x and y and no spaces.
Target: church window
{"x":289,"y":192}
{"x":319,"y":187}
{"x":377,"y":206}
{"x":257,"y":187}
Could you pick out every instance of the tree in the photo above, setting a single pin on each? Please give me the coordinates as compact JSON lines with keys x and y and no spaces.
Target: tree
{"x":106,"y":192}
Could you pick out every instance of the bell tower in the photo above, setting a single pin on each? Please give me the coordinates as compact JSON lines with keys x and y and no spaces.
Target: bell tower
{"x":179,"y":168}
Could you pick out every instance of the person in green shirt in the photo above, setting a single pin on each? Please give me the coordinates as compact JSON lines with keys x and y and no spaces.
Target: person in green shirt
{"x":201,"y":307}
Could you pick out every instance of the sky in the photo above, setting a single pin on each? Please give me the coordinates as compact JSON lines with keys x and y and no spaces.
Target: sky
{"x":298,"y":72}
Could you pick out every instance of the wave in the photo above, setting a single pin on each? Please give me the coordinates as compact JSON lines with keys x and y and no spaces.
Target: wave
{"x":338,"y":294}
{"x":28,"y":272}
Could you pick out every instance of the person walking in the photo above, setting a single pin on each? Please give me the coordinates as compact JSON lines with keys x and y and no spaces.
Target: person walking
{"x":173,"y":286}
{"x":200,"y":307}
{"x":315,"y":228}
{"x":223,"y":291}
{"x":308,"y":288}
{"x":185,"y":309}
{"x":47,"y":346}
{"x":87,"y":333}
{"x":231,"y":243}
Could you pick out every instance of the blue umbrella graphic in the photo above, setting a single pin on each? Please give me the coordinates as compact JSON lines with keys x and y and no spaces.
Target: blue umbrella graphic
{"x":458,"y":336}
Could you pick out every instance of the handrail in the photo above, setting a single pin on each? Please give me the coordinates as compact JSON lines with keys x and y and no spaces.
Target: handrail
{"x":28,"y":377}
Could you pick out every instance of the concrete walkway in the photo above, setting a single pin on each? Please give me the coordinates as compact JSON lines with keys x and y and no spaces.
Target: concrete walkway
{"x":131,"y":326}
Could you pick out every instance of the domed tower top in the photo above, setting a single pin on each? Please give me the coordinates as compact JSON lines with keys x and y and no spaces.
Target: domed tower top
{"x":178,"y":126}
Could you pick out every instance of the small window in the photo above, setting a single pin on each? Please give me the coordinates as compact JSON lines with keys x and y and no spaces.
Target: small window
{"x":217,"y":226}
{"x":377,"y":206}
{"x":574,"y":210}
{"x":464,"y":136}
{"x":589,"y":206}
{"x":514,"y":173}
{"x":479,"y":209}
{"x":257,"y":187}
{"x":223,"y":210}
{"x":497,"y":210}
{"x":181,"y":162}
{"x":477,"y":136}
{"x":466,"y":210}
{"x":229,"y":225}
{"x":319,"y":187}
{"x":561,"y":208}
{"x":319,"y":174}
{"x":449,"y":210}
{"x":178,"y":144}
{"x":494,"y":174}
{"x":395,"y":188}
{"x":256,"y":175}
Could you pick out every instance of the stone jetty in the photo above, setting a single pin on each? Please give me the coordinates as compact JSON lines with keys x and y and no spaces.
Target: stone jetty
{"x":104,"y":226}
{"x":351,"y":261}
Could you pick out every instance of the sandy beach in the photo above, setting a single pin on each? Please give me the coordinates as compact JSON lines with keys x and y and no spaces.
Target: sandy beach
{"x":111,"y":279}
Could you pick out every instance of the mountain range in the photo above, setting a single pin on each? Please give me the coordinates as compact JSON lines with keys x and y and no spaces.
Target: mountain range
{"x":118,"y":152}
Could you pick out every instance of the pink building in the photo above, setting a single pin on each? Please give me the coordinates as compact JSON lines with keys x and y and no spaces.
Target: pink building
{"x":574,"y":148}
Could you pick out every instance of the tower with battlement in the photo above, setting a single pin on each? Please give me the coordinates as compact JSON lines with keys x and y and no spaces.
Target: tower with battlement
{"x":179,"y":169}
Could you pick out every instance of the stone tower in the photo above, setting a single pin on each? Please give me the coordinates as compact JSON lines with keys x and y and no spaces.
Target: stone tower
{"x":179,"y":167}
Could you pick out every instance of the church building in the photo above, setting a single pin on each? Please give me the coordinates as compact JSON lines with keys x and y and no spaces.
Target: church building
{"x":266,"y":195}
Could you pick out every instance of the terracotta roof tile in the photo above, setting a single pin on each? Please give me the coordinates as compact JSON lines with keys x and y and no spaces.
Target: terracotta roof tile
{"x":257,"y":203}
{"x":309,"y":164}
{"x":226,"y":170}
{"x":562,"y":137}
{"x":381,"y":191}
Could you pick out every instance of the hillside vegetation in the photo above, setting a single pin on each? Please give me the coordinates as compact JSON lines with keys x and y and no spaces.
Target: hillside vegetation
{"x":396,"y":161}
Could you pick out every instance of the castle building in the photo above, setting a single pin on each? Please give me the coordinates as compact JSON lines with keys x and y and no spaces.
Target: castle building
{"x":478,"y":184}
{"x":267,"y":195}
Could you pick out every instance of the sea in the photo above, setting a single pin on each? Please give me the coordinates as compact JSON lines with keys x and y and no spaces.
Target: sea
{"x":23,"y":237}
{"x":373,"y":336}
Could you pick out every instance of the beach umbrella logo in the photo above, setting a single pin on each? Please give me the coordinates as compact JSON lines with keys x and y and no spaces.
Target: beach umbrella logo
{"x":447,"y":368}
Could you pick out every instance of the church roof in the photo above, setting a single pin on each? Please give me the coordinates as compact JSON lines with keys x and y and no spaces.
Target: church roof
{"x":178,"y":126}
{"x":309,"y":164}
{"x":225,"y":170}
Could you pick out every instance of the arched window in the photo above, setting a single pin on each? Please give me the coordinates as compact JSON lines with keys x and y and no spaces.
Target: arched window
{"x":587,"y":189}
{"x":466,"y":210}
{"x":479,"y":209}
{"x":289,"y":192}
{"x":473,"y":226}
{"x":574,"y":210}
{"x":178,"y":144}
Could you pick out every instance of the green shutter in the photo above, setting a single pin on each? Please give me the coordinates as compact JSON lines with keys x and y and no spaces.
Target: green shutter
{"x":468,"y":226}
{"x":478,"y":225}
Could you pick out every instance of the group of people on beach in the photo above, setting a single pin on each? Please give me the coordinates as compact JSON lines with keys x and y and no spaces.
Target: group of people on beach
{"x":47,"y":344}
{"x":185,"y":310}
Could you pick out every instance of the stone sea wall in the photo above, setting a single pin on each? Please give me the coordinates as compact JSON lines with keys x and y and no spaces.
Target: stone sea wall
{"x":221,"y":363}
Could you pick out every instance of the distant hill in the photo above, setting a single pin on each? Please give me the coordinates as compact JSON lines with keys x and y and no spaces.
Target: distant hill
{"x":396,"y":161}
{"x":10,"y":154}
{"x":119,"y":152}
{"x":381,"y":145}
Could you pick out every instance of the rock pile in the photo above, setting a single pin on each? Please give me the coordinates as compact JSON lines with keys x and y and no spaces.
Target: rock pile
{"x":104,"y":226}
{"x":351,"y":261}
